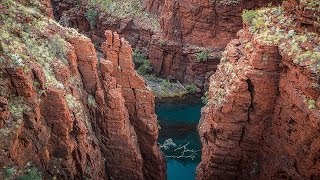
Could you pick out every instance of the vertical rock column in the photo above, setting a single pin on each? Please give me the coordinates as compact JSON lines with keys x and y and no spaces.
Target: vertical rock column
{"x":118,"y":140}
{"x":242,"y":96}
{"x":140,"y":104}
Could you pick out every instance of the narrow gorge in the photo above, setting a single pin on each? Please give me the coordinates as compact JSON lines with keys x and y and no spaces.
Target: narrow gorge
{"x":159,"y":89}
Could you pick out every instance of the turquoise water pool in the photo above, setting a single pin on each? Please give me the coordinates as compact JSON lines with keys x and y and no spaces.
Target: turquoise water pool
{"x":178,"y":137}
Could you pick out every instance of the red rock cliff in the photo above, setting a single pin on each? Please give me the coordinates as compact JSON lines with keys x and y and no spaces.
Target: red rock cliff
{"x":191,"y":27}
{"x":262,"y":119}
{"x":68,"y":113}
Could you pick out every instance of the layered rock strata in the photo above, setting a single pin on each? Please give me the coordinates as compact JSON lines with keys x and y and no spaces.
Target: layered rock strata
{"x":139,"y":101}
{"x":189,"y":28}
{"x":75,"y":14}
{"x":262,"y":119}
{"x":67,"y":113}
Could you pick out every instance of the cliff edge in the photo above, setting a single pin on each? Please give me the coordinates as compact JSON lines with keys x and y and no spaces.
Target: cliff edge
{"x":262,"y":118}
{"x":66,"y":113}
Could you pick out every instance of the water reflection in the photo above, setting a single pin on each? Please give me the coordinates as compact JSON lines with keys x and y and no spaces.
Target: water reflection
{"x":178,"y":136}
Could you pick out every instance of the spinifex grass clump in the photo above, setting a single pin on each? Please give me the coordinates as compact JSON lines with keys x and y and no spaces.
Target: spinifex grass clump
{"x":272,"y":26}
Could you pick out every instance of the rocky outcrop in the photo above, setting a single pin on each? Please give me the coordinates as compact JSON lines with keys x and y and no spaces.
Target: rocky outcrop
{"x":261,"y":121}
{"x":306,"y":13}
{"x":139,"y":101}
{"x":202,"y":22}
{"x":153,"y":6}
{"x":73,"y":14}
{"x":68,"y":113}
{"x":190,"y":28}
{"x":174,"y":61}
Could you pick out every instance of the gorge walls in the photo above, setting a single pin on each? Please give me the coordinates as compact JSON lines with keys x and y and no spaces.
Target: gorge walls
{"x":262,"y":119}
{"x":191,"y":29}
{"x":66,"y":111}
{"x":173,"y":37}
{"x":94,"y":17}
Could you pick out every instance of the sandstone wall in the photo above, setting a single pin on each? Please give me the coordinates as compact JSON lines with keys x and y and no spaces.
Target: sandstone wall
{"x":262,"y":120}
{"x":73,"y":115}
{"x":190,"y":27}
{"x":73,"y":14}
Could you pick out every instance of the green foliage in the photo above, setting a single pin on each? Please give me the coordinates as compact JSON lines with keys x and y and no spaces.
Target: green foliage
{"x":273,"y":27}
{"x":142,"y":64}
{"x":9,"y":172}
{"x":248,"y":16}
{"x":91,"y":16}
{"x":17,"y":106}
{"x":164,"y":88}
{"x":191,"y":88}
{"x":125,"y":9}
{"x":166,"y":84}
{"x":16,"y":59}
{"x":308,"y":55}
{"x":145,"y":68}
{"x":31,"y":174}
{"x":202,"y":56}
{"x":205,"y":98}
{"x":58,"y":48}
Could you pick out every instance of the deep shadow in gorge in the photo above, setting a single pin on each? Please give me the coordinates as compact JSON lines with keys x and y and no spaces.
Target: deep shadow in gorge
{"x":178,"y":119}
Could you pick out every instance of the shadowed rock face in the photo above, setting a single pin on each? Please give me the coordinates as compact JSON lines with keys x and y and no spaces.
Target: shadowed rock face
{"x":74,"y":117}
{"x":189,"y":27}
{"x":72,"y":13}
{"x":140,"y":104}
{"x":262,"y":120}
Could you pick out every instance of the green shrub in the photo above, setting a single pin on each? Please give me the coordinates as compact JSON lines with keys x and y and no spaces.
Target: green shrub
{"x":191,"y":88}
{"x":145,"y":68}
{"x":165,"y":84}
{"x":248,"y":16}
{"x":124,"y":9}
{"x":202,"y":56}
{"x":91,"y":16}
{"x":10,"y":171}
{"x":31,"y":174}
{"x":205,"y":98}
{"x":138,"y":57}
{"x":58,"y":47}
{"x":142,"y":64}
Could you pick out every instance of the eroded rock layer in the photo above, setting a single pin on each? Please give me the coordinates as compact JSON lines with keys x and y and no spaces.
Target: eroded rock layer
{"x":66,"y":111}
{"x":94,"y":17}
{"x":190,"y":28}
{"x":262,"y":119}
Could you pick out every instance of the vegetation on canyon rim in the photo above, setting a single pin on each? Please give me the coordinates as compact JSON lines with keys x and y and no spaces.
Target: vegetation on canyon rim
{"x":272,"y":26}
{"x":28,"y":44}
{"x":29,"y":40}
{"x":122,"y":9}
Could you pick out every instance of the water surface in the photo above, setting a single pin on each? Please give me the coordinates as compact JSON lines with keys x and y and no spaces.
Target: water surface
{"x":178,"y":137}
